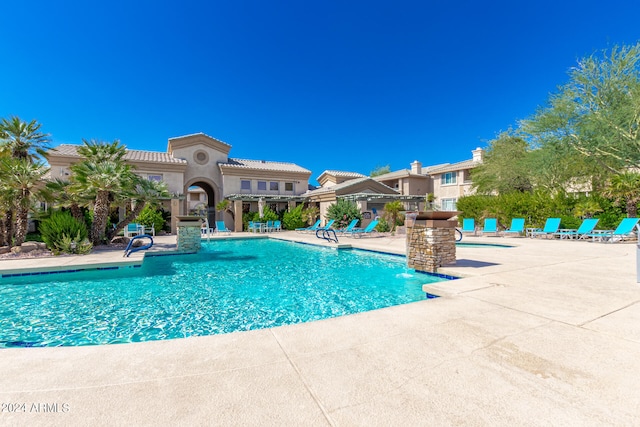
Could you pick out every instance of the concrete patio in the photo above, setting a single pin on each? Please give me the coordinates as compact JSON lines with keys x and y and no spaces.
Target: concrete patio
{"x":543,"y":333}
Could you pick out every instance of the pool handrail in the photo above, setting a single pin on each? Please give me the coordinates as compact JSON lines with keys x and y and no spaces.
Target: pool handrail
{"x":129,"y":250}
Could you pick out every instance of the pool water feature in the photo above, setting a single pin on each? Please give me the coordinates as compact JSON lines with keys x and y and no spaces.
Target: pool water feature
{"x":230,"y":285}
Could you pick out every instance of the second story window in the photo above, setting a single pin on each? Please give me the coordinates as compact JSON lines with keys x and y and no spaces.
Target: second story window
{"x":288,"y":186}
{"x":273,"y":186}
{"x":448,"y":178}
{"x":262,"y":185}
{"x":156,"y":178}
{"x":245,"y":185}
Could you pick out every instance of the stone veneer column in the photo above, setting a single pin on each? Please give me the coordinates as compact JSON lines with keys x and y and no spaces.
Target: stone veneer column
{"x":431,"y":245}
{"x":189,"y":234}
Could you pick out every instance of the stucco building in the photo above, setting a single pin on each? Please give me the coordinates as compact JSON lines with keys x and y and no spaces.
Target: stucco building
{"x":199,"y":160}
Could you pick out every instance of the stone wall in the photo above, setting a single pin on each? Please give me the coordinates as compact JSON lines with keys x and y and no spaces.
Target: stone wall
{"x":189,"y":237}
{"x":429,"y":248}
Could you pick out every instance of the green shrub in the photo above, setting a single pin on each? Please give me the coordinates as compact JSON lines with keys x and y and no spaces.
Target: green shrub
{"x":72,"y":246}
{"x":63,"y":234}
{"x":383,"y":226}
{"x":34,"y":237}
{"x":343,"y":212}
{"x":267,"y":215}
{"x":246,"y":217}
{"x":293,"y":219}
{"x":151,"y":217}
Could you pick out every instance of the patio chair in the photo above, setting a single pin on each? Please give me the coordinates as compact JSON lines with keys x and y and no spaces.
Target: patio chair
{"x":221,"y":228}
{"x":517,"y":227}
{"x":254,"y":226}
{"x":132,"y":229}
{"x":490,"y":226}
{"x":468,"y":226}
{"x":624,"y":230}
{"x":277,"y":225}
{"x":269,"y":227}
{"x":551,"y":227}
{"x":349,"y":227}
{"x":585,"y":228}
{"x":314,"y":227}
{"x":359,"y":232}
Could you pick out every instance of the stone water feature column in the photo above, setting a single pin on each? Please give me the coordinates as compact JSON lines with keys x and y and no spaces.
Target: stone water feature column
{"x":189,"y":234}
{"x":431,"y":240}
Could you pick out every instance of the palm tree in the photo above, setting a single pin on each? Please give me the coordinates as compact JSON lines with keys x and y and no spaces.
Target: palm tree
{"x":61,"y":192}
{"x":103,"y":177}
{"x":23,"y":140}
{"x":99,"y":151}
{"x":101,"y":181}
{"x":22,"y":175}
{"x":625,"y":187}
{"x":226,"y":206}
{"x":145,"y":193}
{"x":7,"y":207}
{"x":393,"y":209}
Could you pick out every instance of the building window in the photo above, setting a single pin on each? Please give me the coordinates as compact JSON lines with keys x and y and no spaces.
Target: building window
{"x":448,"y":178}
{"x":262,"y":186}
{"x":246,"y":207}
{"x":273,"y":207}
{"x":155,"y":178}
{"x":273,"y":186}
{"x":288,"y":186}
{"x":448,"y":204}
{"x":245,"y":185}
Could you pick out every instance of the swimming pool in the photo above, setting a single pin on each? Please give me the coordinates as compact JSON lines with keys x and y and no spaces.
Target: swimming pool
{"x":230,"y":285}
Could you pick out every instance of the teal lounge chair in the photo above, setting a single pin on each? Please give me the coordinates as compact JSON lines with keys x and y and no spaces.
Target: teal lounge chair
{"x":490,"y":226}
{"x":624,"y":229}
{"x":349,"y":227}
{"x":314,"y":227}
{"x":468,"y":226}
{"x":517,"y":227}
{"x":359,"y":232}
{"x":221,"y":228}
{"x":585,"y":228}
{"x":551,"y":227}
{"x":277,"y":225}
{"x":328,"y":225}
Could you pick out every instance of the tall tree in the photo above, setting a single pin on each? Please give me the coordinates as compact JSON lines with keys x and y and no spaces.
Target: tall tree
{"x":22,"y":176}
{"x":597,"y":113}
{"x":380,"y":170}
{"x":23,"y":140}
{"x":103,"y":176}
{"x":504,"y":168}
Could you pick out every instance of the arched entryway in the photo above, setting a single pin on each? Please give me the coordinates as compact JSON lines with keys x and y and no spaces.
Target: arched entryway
{"x":201,"y":200}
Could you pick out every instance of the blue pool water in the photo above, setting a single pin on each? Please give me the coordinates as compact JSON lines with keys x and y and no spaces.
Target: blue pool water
{"x":232,"y":285}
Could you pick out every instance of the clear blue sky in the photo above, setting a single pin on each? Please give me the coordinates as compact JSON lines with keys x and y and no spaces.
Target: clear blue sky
{"x":346,"y":85}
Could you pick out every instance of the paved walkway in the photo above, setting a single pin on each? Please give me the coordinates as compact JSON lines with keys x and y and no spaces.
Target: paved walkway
{"x":544,"y":333}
